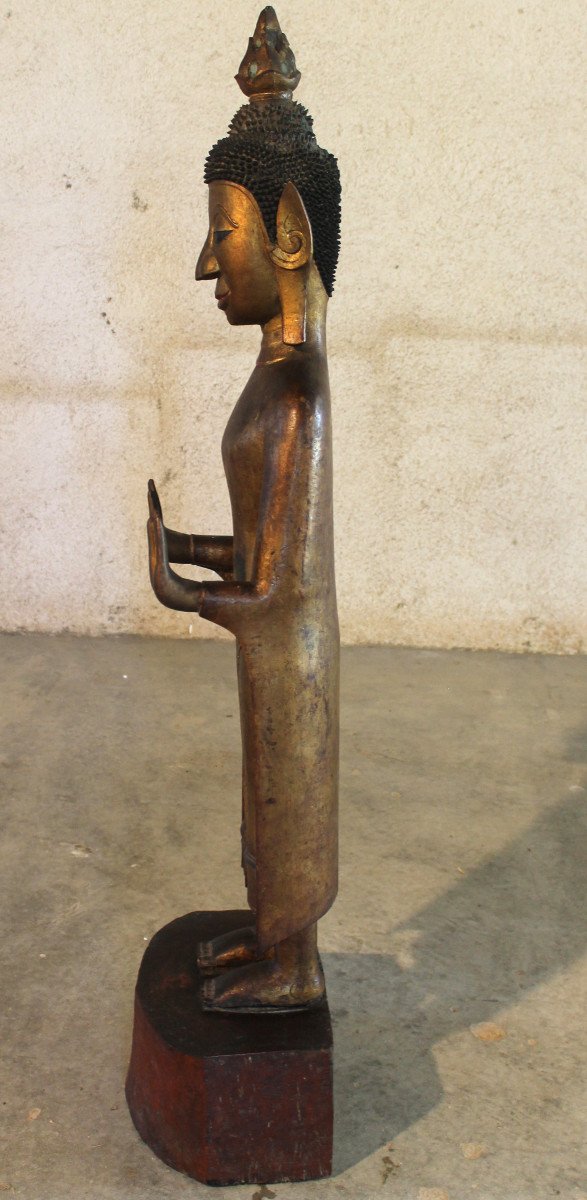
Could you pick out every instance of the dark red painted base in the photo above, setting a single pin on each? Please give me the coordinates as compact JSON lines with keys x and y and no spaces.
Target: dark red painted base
{"x":227,"y":1099}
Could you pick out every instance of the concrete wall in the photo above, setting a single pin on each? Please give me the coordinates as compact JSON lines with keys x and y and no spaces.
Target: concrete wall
{"x":456,"y":330}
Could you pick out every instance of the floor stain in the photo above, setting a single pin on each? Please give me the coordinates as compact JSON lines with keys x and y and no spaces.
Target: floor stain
{"x":390,"y":1166}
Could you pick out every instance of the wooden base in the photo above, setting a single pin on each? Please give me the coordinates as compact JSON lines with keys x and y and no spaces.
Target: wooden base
{"x":226,"y":1098}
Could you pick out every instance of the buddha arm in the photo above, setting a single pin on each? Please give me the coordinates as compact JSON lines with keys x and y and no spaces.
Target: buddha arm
{"x":215,"y":553}
{"x":228,"y":603}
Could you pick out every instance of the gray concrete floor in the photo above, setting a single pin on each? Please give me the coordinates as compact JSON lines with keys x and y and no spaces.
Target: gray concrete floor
{"x":455,"y":954}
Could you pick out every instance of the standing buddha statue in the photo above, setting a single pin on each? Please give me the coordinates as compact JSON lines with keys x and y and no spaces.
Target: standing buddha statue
{"x":272,"y":247}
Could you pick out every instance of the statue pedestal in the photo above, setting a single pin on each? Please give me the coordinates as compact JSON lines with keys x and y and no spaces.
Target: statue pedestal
{"x":226,"y":1099}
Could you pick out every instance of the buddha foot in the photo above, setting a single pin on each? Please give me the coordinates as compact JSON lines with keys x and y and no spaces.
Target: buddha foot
{"x":263,"y":987}
{"x":232,"y":949}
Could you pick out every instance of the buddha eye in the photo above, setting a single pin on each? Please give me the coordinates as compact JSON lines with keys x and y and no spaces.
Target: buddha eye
{"x":221,"y":234}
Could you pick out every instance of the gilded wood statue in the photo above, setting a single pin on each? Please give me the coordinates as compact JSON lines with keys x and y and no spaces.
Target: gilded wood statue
{"x":272,"y":246}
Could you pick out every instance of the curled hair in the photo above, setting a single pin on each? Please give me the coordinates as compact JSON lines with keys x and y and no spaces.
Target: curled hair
{"x":270,"y":144}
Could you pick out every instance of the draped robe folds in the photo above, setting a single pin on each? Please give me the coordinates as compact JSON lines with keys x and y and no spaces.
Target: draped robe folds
{"x":277,"y":456}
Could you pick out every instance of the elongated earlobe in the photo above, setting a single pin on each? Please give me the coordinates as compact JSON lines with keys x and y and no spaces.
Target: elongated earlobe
{"x":292,"y":297}
{"x":292,"y":257}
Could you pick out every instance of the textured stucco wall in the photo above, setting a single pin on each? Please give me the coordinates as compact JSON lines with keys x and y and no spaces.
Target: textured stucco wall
{"x":456,"y":331}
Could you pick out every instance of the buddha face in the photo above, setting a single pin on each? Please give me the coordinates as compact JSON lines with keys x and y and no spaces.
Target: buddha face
{"x":237,"y":254}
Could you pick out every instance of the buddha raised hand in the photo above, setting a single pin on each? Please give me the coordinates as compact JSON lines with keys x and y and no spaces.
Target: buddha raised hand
{"x":272,"y":246}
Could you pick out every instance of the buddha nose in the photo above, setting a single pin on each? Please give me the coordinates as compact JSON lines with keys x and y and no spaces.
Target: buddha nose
{"x":207,"y":264}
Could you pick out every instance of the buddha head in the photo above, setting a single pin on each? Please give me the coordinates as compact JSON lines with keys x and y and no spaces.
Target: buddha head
{"x":274,"y":198}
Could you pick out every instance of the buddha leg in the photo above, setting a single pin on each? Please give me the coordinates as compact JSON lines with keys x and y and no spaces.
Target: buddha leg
{"x":290,"y":980}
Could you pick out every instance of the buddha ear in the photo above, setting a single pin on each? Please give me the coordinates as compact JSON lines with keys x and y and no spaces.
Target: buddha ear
{"x":294,"y":233}
{"x":291,"y":256}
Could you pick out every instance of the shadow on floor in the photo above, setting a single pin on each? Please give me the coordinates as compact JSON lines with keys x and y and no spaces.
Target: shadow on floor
{"x":514,"y":922}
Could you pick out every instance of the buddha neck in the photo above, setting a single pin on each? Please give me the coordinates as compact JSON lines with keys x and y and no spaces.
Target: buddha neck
{"x":274,"y":349}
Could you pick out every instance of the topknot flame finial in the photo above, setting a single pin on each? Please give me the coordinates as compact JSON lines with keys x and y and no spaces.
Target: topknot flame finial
{"x":269,"y":67}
